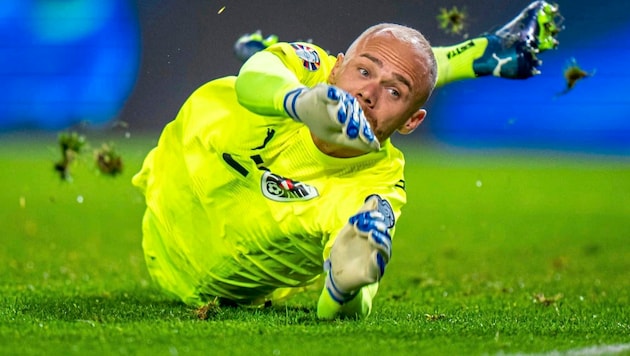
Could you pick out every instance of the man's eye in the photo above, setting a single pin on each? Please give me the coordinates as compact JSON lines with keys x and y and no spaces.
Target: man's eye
{"x":363,"y":72}
{"x":395,"y":93}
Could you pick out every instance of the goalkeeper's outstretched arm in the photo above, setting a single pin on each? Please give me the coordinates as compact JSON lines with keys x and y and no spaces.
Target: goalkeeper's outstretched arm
{"x":356,"y":263}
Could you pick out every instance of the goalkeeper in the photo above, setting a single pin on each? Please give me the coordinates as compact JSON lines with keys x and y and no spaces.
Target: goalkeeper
{"x":285,"y":175}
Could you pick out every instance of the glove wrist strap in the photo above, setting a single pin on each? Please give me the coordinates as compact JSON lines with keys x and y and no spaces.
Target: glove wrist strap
{"x":338,"y":295}
{"x":289,"y":103}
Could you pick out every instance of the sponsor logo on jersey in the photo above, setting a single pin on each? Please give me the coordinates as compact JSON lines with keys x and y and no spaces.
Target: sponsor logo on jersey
{"x":309,"y":56}
{"x":282,"y":189}
{"x":386,"y":209}
{"x":270,"y":133}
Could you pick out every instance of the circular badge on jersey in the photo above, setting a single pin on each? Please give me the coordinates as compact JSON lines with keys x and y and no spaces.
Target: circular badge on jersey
{"x":281,"y":189}
{"x":310,"y":58}
{"x":386,"y":209}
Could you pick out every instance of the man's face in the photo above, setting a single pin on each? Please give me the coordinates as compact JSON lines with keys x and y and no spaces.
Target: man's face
{"x":388,"y":79}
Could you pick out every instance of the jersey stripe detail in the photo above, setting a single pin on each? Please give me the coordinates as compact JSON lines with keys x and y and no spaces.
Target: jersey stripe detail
{"x":237,"y":166}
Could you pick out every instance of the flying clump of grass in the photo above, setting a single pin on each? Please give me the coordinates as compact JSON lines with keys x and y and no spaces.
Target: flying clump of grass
{"x":209,"y":310}
{"x":108,"y":160}
{"x":72,"y":144}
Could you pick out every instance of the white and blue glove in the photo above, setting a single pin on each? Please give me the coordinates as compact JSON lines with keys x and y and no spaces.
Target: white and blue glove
{"x":332,"y":115}
{"x":358,"y":256}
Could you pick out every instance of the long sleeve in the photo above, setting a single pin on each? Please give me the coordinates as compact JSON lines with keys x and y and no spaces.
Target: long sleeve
{"x":267,"y":76}
{"x":263,"y":82}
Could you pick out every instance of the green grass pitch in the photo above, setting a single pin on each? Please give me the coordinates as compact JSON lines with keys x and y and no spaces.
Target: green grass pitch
{"x":508,"y":253}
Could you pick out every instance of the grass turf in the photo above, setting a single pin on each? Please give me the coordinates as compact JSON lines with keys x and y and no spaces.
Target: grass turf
{"x":499,"y":254}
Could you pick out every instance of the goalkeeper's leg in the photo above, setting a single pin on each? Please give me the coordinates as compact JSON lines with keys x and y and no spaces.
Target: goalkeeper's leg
{"x":509,"y":52}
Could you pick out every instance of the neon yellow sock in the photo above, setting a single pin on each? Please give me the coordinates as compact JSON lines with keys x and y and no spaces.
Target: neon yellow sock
{"x":456,"y":62}
{"x":359,"y":307}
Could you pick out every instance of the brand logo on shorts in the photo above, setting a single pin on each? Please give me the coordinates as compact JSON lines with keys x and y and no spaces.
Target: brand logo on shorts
{"x":282,"y":189}
{"x":309,"y":56}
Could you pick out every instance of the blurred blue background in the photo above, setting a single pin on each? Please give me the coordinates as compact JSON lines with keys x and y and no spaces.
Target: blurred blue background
{"x":593,"y":116}
{"x":62,"y":62}
{"x":68,"y":62}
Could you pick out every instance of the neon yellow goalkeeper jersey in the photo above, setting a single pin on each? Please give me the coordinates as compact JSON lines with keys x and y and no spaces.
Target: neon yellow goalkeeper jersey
{"x":240,"y":204}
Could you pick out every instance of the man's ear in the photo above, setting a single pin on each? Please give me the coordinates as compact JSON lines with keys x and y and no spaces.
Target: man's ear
{"x":332,"y":77}
{"x":413,"y":122}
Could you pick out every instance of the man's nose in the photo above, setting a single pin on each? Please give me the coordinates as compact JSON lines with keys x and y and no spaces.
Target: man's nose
{"x":368,"y":94}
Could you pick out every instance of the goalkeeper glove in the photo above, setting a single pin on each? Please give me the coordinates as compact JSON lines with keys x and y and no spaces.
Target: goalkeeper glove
{"x":357,"y":258}
{"x":332,"y":115}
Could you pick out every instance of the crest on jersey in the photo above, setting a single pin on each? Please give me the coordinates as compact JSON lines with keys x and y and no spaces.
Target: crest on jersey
{"x":310,"y":58}
{"x":282,"y":189}
{"x":386,"y":209}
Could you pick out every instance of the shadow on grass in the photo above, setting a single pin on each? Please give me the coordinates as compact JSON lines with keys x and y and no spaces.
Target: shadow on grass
{"x":293,"y":313}
{"x":124,"y":307}
{"x":109,"y":307}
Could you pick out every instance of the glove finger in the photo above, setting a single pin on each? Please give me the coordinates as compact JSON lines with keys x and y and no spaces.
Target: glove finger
{"x":341,"y":114}
{"x":378,"y":265}
{"x":333,"y":93}
{"x":369,"y":220}
{"x":371,"y":203}
{"x":355,"y":115}
{"x":382,"y":243}
{"x":376,"y":220}
{"x":353,"y":127}
{"x":367,"y":136}
{"x":342,"y":107}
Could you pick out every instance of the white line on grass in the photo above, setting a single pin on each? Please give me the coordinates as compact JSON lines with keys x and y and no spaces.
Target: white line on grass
{"x":587,"y":351}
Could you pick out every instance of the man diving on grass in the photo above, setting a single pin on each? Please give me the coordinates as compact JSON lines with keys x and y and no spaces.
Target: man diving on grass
{"x":285,"y":176}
